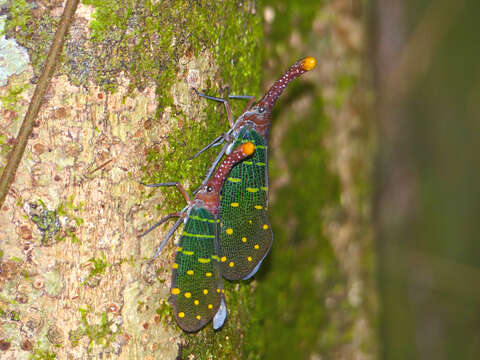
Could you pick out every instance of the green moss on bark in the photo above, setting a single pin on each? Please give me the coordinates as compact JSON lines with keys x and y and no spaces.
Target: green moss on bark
{"x":143,"y":41}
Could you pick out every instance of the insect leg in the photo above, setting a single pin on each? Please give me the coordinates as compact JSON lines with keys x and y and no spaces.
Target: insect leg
{"x":212,"y":167}
{"x":168,"y":236}
{"x":153,"y":227}
{"x":249,"y":97}
{"x":178,"y":185}
{"x":217,"y":141}
{"x":225,"y":102}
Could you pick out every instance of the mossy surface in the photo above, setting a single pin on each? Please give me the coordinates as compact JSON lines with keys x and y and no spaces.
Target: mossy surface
{"x":100,"y":332}
{"x":236,"y":46}
{"x":40,"y":354}
{"x":10,"y":100}
{"x":143,"y":41}
{"x":301,"y":307}
{"x":162,"y":32}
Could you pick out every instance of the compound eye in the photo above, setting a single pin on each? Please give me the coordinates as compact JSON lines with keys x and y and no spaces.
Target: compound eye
{"x":261,"y":109}
{"x":209,"y":189}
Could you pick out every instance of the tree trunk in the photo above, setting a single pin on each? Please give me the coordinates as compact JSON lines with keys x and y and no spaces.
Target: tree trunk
{"x":316,"y":296}
{"x":75,"y":282}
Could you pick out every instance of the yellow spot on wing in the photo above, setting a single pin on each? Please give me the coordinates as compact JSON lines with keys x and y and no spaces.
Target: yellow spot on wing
{"x":203,"y":261}
{"x":198,"y":317}
{"x":196,"y":302}
{"x":189,"y":253}
{"x":175,"y":291}
{"x":223,"y":259}
{"x":258,"y":207}
{"x":229,"y":231}
{"x":234,"y":180}
{"x":234,"y":204}
{"x":256,"y":246}
{"x":179,"y":249}
{"x":249,"y":258}
{"x":215,"y":257}
{"x":210,"y":306}
{"x":218,"y":291}
{"x":265,"y":226}
{"x":252,"y":190}
{"x":231,"y":264}
{"x":263,"y":188}
{"x":188,"y":295}
{"x":208,"y":274}
{"x":181,"y":314}
{"x":244,"y":239}
{"x":205,"y":291}
{"x":189,"y":272}
{"x":175,"y":265}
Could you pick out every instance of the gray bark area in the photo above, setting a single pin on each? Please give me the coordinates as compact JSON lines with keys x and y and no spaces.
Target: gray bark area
{"x":75,"y":281}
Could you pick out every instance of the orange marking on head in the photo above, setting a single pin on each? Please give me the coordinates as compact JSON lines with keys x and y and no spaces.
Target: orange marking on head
{"x":248,"y":148}
{"x":309,"y":63}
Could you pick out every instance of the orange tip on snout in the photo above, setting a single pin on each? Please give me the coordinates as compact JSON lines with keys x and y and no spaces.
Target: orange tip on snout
{"x":309,"y":63}
{"x":248,"y":148}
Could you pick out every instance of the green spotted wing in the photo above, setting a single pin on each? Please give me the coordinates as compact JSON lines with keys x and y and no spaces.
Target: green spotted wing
{"x":244,"y":233}
{"x":196,"y":281}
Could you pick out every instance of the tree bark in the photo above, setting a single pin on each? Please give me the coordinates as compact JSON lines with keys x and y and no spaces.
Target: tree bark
{"x":74,"y":279}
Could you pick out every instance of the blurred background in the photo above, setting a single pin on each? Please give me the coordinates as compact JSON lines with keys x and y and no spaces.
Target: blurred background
{"x":424,"y":56}
{"x":374,"y":179}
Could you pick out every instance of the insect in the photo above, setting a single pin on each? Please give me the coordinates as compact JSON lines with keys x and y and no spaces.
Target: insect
{"x":245,"y":235}
{"x":196,"y":289}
